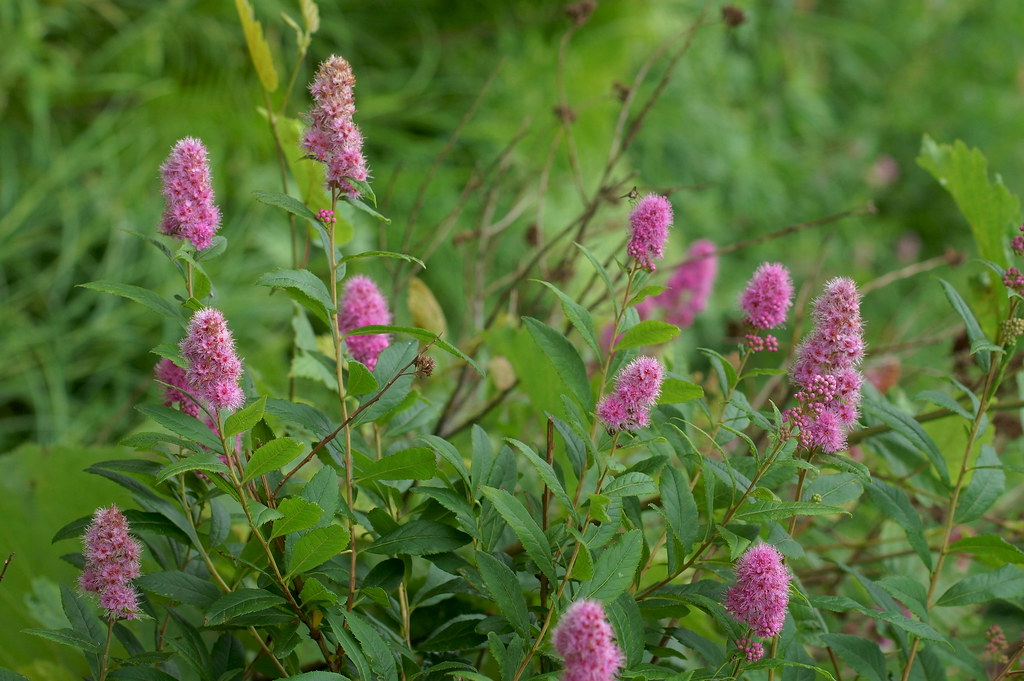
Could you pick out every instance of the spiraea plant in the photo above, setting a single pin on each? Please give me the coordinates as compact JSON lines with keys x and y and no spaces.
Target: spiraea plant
{"x":524,"y":501}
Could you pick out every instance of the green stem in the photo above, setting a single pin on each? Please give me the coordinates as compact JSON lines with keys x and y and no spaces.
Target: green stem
{"x":104,"y":661}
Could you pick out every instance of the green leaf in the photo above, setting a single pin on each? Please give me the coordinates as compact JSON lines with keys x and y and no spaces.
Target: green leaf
{"x":449,"y":453}
{"x":763,"y":510}
{"x":894,"y":504}
{"x":546,"y":473}
{"x":417,"y":463}
{"x":81,"y":616}
{"x":244,"y":420}
{"x":67,"y":637}
{"x":238,"y":603}
{"x":907,"y":591}
{"x":420,"y":334}
{"x":259,"y":50}
{"x":905,"y":425}
{"x":382,"y":254}
{"x":991,"y":210}
{"x":602,"y":272}
{"x":945,"y":401}
{"x":676,"y":391}
{"x":358,"y":204}
{"x":645,"y":293}
{"x":989,"y":547}
{"x":181,"y":423}
{"x":360,"y":380}
{"x":1006,"y":582}
{"x":525,"y":528}
{"x":139,"y":295}
{"x":630,"y":485}
{"x":614,"y":568}
{"x":179,"y":586}
{"x":679,"y":506}
{"x":375,"y":648}
{"x":577,"y":315}
{"x":315,"y":548}
{"x":304,"y":287}
{"x":135,"y":673}
{"x":988,"y":481}
{"x":288,"y":203}
{"x":8,"y":675}
{"x":647,"y":332}
{"x":863,"y":655}
{"x":723,"y":368}
{"x":504,"y":588}
{"x":297,"y":514}
{"x":564,"y":358}
{"x":197,"y":462}
{"x":271,"y":456}
{"x":975,"y":335}
{"x":420,"y":538}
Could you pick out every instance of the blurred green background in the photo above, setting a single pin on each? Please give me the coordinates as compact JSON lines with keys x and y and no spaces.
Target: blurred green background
{"x":806,"y":110}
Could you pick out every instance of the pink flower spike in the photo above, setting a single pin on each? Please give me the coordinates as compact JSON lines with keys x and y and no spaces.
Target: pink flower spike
{"x":586,"y":642}
{"x":214,"y":368}
{"x":648,"y":230}
{"x":111,"y":562}
{"x":190,"y":212}
{"x":640,"y":380}
{"x":768,"y":296}
{"x":364,"y":305}
{"x":170,"y":373}
{"x":332,"y":137}
{"x":761,"y":593}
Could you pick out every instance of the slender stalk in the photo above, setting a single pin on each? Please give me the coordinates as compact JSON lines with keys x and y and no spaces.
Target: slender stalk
{"x":105,"y":660}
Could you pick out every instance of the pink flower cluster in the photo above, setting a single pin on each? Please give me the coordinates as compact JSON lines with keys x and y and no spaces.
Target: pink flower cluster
{"x":111,"y":563}
{"x":585,"y":641}
{"x":689,"y":287}
{"x":751,"y":649}
{"x":1013,"y":279}
{"x":214,"y":368}
{"x":648,"y":230}
{"x":1017,"y":243}
{"x":332,"y":137}
{"x":170,"y":373}
{"x":637,"y":388}
{"x":766,"y":300}
{"x":364,"y":305}
{"x":190,"y":212}
{"x":761,"y":593}
{"x":827,"y":369}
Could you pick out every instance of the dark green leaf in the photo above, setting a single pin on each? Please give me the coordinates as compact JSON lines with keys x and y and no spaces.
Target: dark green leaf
{"x":988,"y":481}
{"x":243,"y":420}
{"x":181,"y":423}
{"x":762,"y":510}
{"x":297,"y":514}
{"x":723,"y":368}
{"x":271,"y":457}
{"x":360,"y":205}
{"x":419,"y":538}
{"x":546,"y":473}
{"x":630,"y":485}
{"x":989,"y":547}
{"x":905,"y":425}
{"x":67,"y":637}
{"x":505,"y":590}
{"x":647,"y":332}
{"x":525,"y":528}
{"x":863,"y":655}
{"x":417,"y":463}
{"x":614,"y":568}
{"x":375,"y":648}
{"x":449,"y":453}
{"x":975,"y":335}
{"x":288,"y":203}
{"x":304,"y":287}
{"x":135,"y":673}
{"x":602,"y":272}
{"x":679,"y":506}
{"x":1006,"y":582}
{"x":238,"y":603}
{"x":894,"y":504}
{"x":197,"y":462}
{"x":139,"y":295}
{"x":315,"y":548}
{"x":179,"y":586}
{"x":360,"y":380}
{"x":577,"y":315}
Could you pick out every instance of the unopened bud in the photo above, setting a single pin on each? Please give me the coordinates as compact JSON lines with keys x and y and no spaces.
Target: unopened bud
{"x":733,"y":16}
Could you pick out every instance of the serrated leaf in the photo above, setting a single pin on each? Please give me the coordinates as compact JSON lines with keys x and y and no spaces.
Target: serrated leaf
{"x":647,"y":332}
{"x":602,"y":272}
{"x":1006,"y":582}
{"x":259,"y":50}
{"x":564,"y":358}
{"x":287,"y":203}
{"x":315,"y":548}
{"x":906,"y":426}
{"x":197,"y":462}
{"x":146,"y":297}
{"x":382,"y":254}
{"x":546,"y":473}
{"x":630,"y":485}
{"x":577,"y":315}
{"x":238,"y":603}
{"x":375,"y":648}
{"x":417,"y":463}
{"x":989,"y":546}
{"x":449,"y":453}
{"x":975,"y":335}
{"x":863,"y":655}
{"x":760,"y":511}
{"x":246,"y":418}
{"x":524,"y":527}
{"x":297,"y":514}
{"x":679,"y":506}
{"x":304,"y":287}
{"x":271,"y":457}
{"x":67,"y":637}
{"x":360,"y":205}
{"x":504,"y":588}
{"x":945,"y":401}
{"x":184,"y":425}
{"x":614,"y":568}
{"x":988,"y":482}
{"x":894,"y":504}
{"x":723,"y":368}
{"x":420,"y":538}
{"x":179,"y":586}
{"x":676,"y":391}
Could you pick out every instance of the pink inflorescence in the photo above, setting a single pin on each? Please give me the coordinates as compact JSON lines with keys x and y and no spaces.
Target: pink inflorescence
{"x":648,"y":230}
{"x":1017,"y":243}
{"x":1013,"y":279}
{"x":332,"y":137}
{"x":364,"y":305}
{"x":585,"y":641}
{"x":751,"y":649}
{"x":689,"y":287}
{"x":111,"y":563}
{"x":170,"y":373}
{"x":768,"y":296}
{"x":214,"y":368}
{"x":761,"y":593}
{"x":637,"y":388}
{"x":190,"y":213}
{"x":827,"y":369}
{"x":326,"y":216}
